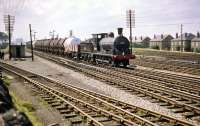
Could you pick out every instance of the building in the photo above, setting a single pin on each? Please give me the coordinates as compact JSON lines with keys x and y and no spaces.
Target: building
{"x":185,"y":40}
{"x":195,"y":44}
{"x":161,"y":42}
{"x":18,"y":51}
{"x":141,"y":42}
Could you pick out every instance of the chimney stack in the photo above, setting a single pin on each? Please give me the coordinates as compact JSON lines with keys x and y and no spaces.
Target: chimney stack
{"x":120,"y":31}
{"x":141,"y":37}
{"x":198,"y":35}
{"x":154,"y":36}
{"x":176,"y":35}
{"x":161,"y":36}
{"x":186,"y":34}
{"x":135,"y":38}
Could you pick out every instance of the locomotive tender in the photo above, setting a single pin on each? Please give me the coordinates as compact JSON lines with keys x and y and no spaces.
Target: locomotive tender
{"x":102,"y":48}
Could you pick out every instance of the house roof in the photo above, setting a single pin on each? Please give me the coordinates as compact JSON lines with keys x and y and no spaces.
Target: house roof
{"x":159,"y":37}
{"x":196,"y":39}
{"x":185,"y":36}
{"x":141,"y":39}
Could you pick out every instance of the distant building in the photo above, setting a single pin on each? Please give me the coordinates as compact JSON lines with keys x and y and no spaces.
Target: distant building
{"x":161,"y":42}
{"x":186,"y":39}
{"x":18,"y":51}
{"x":195,"y":44}
{"x":142,"y":42}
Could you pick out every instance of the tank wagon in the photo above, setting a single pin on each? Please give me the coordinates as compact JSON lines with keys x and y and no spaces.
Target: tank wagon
{"x":101,"y":48}
{"x":71,"y":47}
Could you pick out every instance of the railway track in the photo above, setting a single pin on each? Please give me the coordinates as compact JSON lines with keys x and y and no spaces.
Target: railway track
{"x":174,"y":81}
{"x":87,"y":107}
{"x":178,"y":101}
{"x":175,"y":66}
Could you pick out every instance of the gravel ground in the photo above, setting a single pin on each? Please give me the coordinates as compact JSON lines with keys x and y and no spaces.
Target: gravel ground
{"x":55,"y":71}
{"x":44,"y":113}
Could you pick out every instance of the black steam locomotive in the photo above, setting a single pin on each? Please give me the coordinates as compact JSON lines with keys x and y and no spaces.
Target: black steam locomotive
{"x":105,"y":48}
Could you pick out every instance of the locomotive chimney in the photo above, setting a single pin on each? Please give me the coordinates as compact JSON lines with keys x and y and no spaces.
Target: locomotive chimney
{"x":120,"y":31}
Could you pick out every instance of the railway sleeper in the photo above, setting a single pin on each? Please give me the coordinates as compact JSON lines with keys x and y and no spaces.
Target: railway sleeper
{"x":77,"y":120}
{"x":197,"y":118}
{"x":62,"y":107}
{"x":189,"y":115}
{"x":190,"y":102}
{"x":181,"y":99}
{"x":93,"y":114}
{"x":65,"y":111}
{"x":162,"y":121}
{"x":56,"y":104}
{"x":179,"y":110}
{"x":197,"y":104}
{"x":155,"y":100}
{"x":164,"y":104}
{"x":111,"y":123}
{"x":70,"y":115}
{"x":102,"y":119}
{"x":174,"y":107}
{"x":52,"y":102}
{"x":46,"y":98}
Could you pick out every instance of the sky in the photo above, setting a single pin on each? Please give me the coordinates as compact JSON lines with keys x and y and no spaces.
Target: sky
{"x":85,"y":17}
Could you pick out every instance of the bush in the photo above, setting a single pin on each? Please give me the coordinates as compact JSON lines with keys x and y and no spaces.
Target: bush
{"x":155,"y":47}
{"x":135,"y":45}
{"x":197,"y":50}
{"x":6,"y":80}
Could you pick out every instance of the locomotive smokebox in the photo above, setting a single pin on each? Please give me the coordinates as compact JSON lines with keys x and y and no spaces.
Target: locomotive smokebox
{"x":120,"y":31}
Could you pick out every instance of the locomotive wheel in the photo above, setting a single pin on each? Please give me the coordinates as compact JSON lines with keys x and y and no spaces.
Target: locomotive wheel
{"x":115,"y":63}
{"x":125,"y":63}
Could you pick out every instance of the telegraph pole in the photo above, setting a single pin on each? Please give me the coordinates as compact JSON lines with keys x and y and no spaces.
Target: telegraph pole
{"x":130,"y":17}
{"x":31,"y":42}
{"x":9,"y":27}
{"x":9,"y":37}
{"x":182,"y":48}
{"x":131,"y":32}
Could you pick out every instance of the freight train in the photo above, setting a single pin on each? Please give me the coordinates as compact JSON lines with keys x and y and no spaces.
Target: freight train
{"x":101,"y":48}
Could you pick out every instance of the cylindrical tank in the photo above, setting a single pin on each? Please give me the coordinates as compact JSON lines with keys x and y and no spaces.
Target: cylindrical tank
{"x":71,"y":44}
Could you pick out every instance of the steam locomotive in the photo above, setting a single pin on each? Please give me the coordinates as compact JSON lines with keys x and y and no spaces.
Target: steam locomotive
{"x":101,"y":48}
